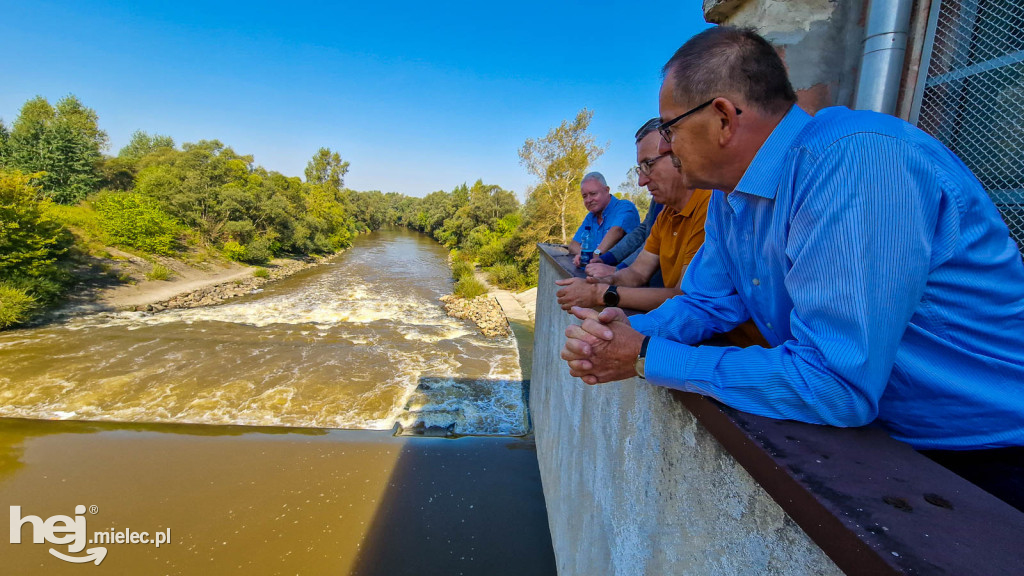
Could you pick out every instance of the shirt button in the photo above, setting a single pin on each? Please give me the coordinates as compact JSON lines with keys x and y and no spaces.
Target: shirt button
{"x":756,"y":282}
{"x":769,"y":326}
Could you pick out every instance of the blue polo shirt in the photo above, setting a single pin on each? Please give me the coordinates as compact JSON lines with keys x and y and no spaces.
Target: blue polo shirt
{"x":621,"y":213}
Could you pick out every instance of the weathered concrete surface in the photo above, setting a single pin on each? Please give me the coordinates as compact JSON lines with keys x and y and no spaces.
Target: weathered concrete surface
{"x":820,"y":41}
{"x":634,"y":485}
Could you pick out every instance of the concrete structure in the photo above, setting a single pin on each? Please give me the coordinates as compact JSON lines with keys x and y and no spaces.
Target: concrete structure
{"x":643,"y":480}
{"x":820,"y":41}
{"x":634,"y":485}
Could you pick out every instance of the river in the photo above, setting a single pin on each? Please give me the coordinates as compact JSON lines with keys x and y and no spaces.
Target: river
{"x":361,"y":342}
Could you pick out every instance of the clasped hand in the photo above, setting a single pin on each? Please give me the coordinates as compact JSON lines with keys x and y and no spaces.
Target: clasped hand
{"x":603,"y":348}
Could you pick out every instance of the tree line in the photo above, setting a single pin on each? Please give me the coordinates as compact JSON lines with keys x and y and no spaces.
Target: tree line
{"x":63,"y":200}
{"x":487,"y":226}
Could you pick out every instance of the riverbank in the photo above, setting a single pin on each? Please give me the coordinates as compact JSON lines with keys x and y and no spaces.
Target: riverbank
{"x":188,"y":285}
{"x":494,"y":312}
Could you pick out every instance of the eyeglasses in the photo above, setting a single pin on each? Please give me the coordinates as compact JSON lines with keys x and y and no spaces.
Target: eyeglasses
{"x":646,"y":166}
{"x":665,"y":128}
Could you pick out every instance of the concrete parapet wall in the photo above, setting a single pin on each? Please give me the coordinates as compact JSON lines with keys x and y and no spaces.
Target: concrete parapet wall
{"x":820,"y":41}
{"x":635,"y":485}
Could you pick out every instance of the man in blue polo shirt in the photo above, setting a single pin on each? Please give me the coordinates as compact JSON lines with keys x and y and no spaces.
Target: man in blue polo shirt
{"x":609,"y":218}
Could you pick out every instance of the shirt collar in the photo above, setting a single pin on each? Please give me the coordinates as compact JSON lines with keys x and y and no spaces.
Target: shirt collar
{"x":691,"y":204}
{"x":761,"y":178}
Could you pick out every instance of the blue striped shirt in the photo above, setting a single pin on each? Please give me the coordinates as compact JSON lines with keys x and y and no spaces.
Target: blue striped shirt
{"x":882,"y":276}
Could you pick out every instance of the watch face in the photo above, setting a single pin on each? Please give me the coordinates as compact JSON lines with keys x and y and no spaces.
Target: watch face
{"x":611,"y":297}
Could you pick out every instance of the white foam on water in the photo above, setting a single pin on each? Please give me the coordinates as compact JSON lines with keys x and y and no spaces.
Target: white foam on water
{"x":318,"y":356}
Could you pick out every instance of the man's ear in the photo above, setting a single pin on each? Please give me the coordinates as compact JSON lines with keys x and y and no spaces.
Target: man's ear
{"x":726,"y":114}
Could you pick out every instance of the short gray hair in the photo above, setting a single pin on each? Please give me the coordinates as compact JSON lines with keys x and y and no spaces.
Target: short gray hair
{"x":595,"y":176}
{"x":726,"y":61}
{"x":648,"y":127}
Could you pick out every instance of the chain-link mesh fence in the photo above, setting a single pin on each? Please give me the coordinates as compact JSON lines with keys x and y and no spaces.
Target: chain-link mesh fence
{"x":973,"y":99}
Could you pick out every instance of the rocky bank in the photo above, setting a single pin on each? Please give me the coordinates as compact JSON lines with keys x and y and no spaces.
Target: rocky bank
{"x":218,"y":293}
{"x":482,"y":310}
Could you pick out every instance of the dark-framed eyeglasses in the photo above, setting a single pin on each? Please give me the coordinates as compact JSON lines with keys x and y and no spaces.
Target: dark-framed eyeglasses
{"x":665,"y":128}
{"x":646,"y":166}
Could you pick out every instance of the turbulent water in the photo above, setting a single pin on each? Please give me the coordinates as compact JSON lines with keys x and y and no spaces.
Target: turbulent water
{"x":361,"y":342}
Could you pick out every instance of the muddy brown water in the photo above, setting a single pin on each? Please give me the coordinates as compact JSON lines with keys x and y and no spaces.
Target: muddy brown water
{"x":359,"y":343}
{"x":259,"y":431}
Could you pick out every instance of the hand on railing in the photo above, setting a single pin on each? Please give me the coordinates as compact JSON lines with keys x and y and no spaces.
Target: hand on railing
{"x":603,"y":348}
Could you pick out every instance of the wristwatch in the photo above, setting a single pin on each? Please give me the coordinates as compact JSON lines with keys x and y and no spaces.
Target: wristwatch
{"x":611,"y":296}
{"x":641,"y":358}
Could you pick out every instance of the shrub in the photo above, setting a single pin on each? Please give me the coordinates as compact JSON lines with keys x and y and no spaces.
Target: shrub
{"x":136,"y":221}
{"x":46,"y":289}
{"x":234,"y":251}
{"x":261,"y":273}
{"x":16,"y":306}
{"x":258,"y":251}
{"x":507,"y":276}
{"x":469,"y":287}
{"x":159,"y":272}
{"x":461,"y":269}
{"x":30,"y":239}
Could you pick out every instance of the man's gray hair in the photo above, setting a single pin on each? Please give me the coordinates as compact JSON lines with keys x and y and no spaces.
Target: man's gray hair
{"x":727,"y":61}
{"x":595,"y":176}
{"x":648,"y":127}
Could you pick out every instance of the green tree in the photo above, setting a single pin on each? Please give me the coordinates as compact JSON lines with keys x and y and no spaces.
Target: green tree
{"x":327,"y":168}
{"x":82,"y":120}
{"x":142,"y":144}
{"x":189,"y":184}
{"x":5,"y":136}
{"x":28,"y":131}
{"x":559,"y":161}
{"x":631,"y":190}
{"x":63,"y":143}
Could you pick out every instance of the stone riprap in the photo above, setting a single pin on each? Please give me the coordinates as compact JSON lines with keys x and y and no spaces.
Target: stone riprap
{"x":484,"y":311}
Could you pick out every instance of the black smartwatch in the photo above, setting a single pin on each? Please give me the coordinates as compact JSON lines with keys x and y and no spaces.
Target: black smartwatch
{"x":611,"y":296}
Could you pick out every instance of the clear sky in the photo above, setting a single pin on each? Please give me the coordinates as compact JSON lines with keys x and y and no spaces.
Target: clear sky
{"x":418,"y":96}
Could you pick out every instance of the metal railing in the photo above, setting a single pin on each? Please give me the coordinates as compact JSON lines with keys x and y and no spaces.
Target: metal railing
{"x":971,"y":95}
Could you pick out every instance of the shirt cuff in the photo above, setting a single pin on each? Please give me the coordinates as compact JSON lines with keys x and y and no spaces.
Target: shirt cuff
{"x":665,"y":364}
{"x":609,"y":259}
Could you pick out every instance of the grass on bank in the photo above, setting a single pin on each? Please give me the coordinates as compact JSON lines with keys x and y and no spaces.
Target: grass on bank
{"x":159,"y":272}
{"x":507,"y":275}
{"x":466,"y":284}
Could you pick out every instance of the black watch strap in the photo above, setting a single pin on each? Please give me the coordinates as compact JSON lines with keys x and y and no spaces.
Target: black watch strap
{"x":641,"y":360}
{"x":611,"y":296}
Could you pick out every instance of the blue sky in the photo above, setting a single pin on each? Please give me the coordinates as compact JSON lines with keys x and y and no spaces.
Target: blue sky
{"x":417,"y":96}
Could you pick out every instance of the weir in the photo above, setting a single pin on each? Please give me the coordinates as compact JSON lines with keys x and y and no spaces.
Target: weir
{"x":639,"y":479}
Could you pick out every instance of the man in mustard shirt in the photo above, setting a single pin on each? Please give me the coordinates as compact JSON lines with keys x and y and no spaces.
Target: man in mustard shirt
{"x":676,"y":236}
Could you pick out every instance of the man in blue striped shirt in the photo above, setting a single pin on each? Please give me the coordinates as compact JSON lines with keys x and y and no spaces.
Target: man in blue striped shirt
{"x":868,"y":255}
